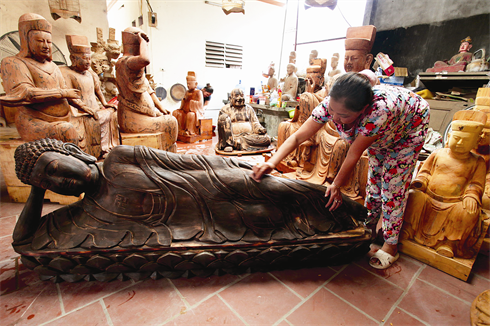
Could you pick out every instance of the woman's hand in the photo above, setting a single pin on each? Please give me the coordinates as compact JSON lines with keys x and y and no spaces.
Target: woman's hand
{"x":335,"y":195}
{"x":260,"y":169}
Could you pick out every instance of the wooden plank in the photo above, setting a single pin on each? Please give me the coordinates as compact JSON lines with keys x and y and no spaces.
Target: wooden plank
{"x":457,"y":267}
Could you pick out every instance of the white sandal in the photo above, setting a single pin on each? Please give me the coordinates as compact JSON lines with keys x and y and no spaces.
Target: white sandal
{"x":384,"y":258}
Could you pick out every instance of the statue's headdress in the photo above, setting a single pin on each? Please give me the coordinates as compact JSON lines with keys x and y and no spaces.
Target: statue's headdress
{"x":78,"y":44}
{"x":31,"y":22}
{"x":191,"y":75}
{"x":360,"y":38}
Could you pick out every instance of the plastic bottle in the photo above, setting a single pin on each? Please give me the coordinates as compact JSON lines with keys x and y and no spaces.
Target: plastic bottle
{"x":279,"y":95}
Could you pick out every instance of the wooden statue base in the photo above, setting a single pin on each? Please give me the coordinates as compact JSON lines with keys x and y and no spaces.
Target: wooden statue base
{"x":457,"y":267}
{"x":205,"y":132}
{"x":159,"y":140}
{"x":192,"y":258}
{"x":240,"y":153}
{"x":18,"y":191}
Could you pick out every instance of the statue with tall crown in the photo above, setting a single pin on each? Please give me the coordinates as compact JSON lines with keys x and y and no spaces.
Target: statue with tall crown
{"x":96,"y":122}
{"x":33,"y":84}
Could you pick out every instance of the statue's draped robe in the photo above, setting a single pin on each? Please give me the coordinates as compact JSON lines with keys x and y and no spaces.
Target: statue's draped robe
{"x":154,"y":198}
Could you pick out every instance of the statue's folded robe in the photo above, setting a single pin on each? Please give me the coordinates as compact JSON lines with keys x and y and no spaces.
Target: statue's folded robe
{"x":209,"y":199}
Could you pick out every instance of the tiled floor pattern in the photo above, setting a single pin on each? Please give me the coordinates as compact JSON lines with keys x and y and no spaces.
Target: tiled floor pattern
{"x":408,"y":293}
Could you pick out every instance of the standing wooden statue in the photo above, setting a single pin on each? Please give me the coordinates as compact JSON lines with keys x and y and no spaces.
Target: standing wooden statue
{"x":99,"y":126}
{"x":139,"y":109}
{"x":444,"y":204}
{"x":34,"y":83}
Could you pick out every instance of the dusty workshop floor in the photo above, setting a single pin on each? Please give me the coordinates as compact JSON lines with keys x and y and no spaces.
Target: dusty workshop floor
{"x":408,"y":293}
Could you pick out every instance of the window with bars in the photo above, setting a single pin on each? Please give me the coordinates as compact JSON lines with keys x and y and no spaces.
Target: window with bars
{"x":223,"y":55}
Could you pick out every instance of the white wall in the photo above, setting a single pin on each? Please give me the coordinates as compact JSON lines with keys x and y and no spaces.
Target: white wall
{"x":267,"y":33}
{"x":178,"y":43}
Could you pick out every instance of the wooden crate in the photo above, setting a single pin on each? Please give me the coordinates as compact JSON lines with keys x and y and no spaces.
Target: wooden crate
{"x":18,"y":191}
{"x":457,"y":267}
{"x":159,"y":140}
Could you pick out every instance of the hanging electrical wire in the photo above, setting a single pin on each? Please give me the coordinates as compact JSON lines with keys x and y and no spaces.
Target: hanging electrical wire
{"x":343,"y":16}
{"x":151,"y":9}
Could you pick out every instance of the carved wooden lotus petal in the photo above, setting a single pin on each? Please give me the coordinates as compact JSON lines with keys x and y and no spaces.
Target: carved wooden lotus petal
{"x":169,"y":259}
{"x":99,"y":262}
{"x":62,"y":264}
{"x":135,"y":261}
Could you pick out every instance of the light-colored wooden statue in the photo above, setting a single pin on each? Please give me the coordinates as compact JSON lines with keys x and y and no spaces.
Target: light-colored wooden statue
{"x":444,"y":206}
{"x":97,"y":123}
{"x":272,"y":81}
{"x":292,"y":57}
{"x":239,"y":129}
{"x":191,"y":108}
{"x":290,"y":87}
{"x":139,"y":110}
{"x":482,"y":104}
{"x":305,"y":154}
{"x":34,"y":84}
{"x":358,"y":44}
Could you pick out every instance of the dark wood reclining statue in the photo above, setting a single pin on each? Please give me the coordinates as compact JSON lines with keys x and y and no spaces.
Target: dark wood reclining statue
{"x":153,"y":213}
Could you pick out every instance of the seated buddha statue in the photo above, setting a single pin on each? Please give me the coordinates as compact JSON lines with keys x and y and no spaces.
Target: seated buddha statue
{"x":239,"y":128}
{"x":444,"y":203}
{"x":140,"y":196}
{"x":191,"y":108}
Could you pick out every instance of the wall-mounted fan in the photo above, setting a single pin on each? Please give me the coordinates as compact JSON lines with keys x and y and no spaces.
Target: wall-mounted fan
{"x":10,"y":45}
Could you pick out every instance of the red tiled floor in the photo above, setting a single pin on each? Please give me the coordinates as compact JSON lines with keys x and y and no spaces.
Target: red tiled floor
{"x":146,"y":303}
{"x":211,"y":312}
{"x":434,"y":306}
{"x":401,"y":273}
{"x":305,"y":281}
{"x":196,"y":289}
{"x":87,"y":316}
{"x":399,"y":317}
{"x":13,"y":279}
{"x":467,"y":291}
{"x":8,"y":224}
{"x":6,"y":249}
{"x":75,"y":295}
{"x":325,"y":308}
{"x":481,"y":266}
{"x":32,"y":305}
{"x":259,"y":299}
{"x":10,"y":209}
{"x":366,"y":291}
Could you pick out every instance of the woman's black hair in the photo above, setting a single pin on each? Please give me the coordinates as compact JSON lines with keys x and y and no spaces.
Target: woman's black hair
{"x":208,"y":88}
{"x":354,"y":90}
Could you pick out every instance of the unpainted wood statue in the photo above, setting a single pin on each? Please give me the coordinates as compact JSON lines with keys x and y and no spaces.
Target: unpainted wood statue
{"x":482,"y":104}
{"x":97,"y":121}
{"x":34,"y":84}
{"x":290,"y":87}
{"x":358,"y":44}
{"x":444,"y":205}
{"x":139,"y":109}
{"x":305,"y":154}
{"x":272,"y":81}
{"x":458,"y":62}
{"x":239,"y":128}
{"x":191,"y":108}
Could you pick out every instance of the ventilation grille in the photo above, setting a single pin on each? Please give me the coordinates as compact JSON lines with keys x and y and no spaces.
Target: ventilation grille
{"x":223,"y":55}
